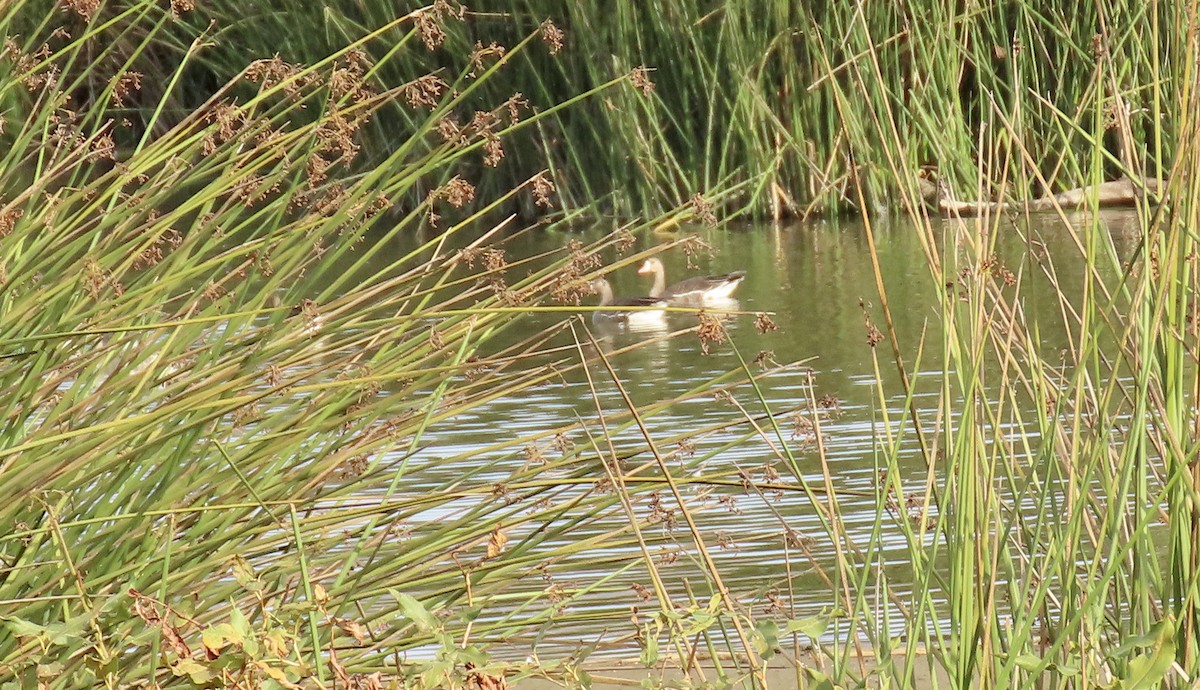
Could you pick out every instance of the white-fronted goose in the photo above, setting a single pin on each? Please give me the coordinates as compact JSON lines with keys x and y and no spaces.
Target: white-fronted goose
{"x":617,"y":314}
{"x":691,"y":290}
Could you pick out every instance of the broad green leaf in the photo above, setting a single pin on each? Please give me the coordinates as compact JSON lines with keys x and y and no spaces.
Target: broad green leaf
{"x":243,"y":572}
{"x":415,"y":611}
{"x":215,"y":637}
{"x":23,"y":628}
{"x":765,"y":639}
{"x":649,"y":655}
{"x":1146,"y":670}
{"x":199,"y":674}
{"x":818,"y":680}
{"x":702,"y":620}
{"x":1029,"y":662}
{"x":812,"y":627}
{"x":239,"y":622}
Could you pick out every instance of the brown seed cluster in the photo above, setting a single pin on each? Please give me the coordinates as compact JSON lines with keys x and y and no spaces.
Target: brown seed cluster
{"x":998,"y":271}
{"x":153,"y":254}
{"x":84,"y":8}
{"x":660,"y":513}
{"x":426,"y":92}
{"x":543,"y":187}
{"x":691,"y":246}
{"x":228,"y":121}
{"x":8,"y":219}
{"x":457,"y":192}
{"x":765,"y":359}
{"x":624,"y":240}
{"x":493,"y":51}
{"x":640,"y":79}
{"x":908,"y":506}
{"x":552,"y":36}
{"x":35,"y":72}
{"x":430,"y":21}
{"x":711,"y":331}
{"x":874,"y":336}
{"x":274,"y":72}
{"x":96,"y":280}
{"x":483,"y":125}
{"x":126,"y":84}
{"x":764,"y":324}
{"x":569,"y":286}
{"x":703,"y":208}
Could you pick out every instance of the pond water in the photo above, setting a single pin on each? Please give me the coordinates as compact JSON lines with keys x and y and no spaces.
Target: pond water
{"x":771,"y":549}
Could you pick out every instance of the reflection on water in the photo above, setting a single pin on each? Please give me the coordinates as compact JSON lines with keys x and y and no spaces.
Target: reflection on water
{"x":818,"y":284}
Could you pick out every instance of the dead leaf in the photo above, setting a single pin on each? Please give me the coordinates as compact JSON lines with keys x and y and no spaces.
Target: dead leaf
{"x":352,"y":628}
{"x":496,"y":543}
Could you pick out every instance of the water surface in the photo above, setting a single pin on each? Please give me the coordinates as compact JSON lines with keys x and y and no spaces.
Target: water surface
{"x":818,"y":282}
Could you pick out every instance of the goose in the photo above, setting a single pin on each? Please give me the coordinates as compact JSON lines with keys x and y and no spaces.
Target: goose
{"x":601,"y":286}
{"x":690,"y":290}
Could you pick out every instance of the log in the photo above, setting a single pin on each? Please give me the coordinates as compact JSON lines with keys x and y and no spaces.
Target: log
{"x":1116,"y":193}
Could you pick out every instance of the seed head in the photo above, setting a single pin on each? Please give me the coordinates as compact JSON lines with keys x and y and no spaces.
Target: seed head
{"x":764,"y":324}
{"x":543,"y":187}
{"x":704,"y":210}
{"x":425,"y":92}
{"x":711,"y":330}
{"x":127,"y":83}
{"x":640,"y":79}
{"x":552,"y":36}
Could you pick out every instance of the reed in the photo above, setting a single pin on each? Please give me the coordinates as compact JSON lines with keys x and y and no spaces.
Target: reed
{"x":748,"y":93}
{"x":218,"y":392}
{"x":1051,"y":528}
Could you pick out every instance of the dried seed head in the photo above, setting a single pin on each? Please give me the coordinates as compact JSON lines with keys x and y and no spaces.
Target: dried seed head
{"x":425,"y":92}
{"x":874,"y":336}
{"x":103,"y":147}
{"x":691,"y":246}
{"x":829,"y":401}
{"x":494,"y":259}
{"x":534,"y":454}
{"x":451,"y":131}
{"x":515,"y":104}
{"x":127,"y":83}
{"x":703,"y":209}
{"x":213,"y":292}
{"x":765,"y":359}
{"x":8,"y":220}
{"x":84,"y":8}
{"x":429,"y":25}
{"x":563,"y":443}
{"x":711,"y":330}
{"x":227,"y":122}
{"x":543,"y":187}
{"x":481,"y":53}
{"x":457,"y":192}
{"x":569,"y":286}
{"x":640,"y":79}
{"x":552,"y":36}
{"x":180,"y":7}
{"x":764,"y":324}
{"x":496,"y":542}
{"x":492,"y":149}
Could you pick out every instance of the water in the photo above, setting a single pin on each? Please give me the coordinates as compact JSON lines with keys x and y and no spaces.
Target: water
{"x":818,"y":283}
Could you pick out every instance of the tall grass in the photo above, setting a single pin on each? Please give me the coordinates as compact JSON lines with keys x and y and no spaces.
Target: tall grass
{"x":747,"y":93}
{"x":218,"y":392}
{"x":1053,"y":534}
{"x":217,"y":389}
